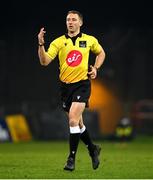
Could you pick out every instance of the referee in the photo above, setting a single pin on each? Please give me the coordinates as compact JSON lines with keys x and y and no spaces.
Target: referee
{"x":73,"y":50}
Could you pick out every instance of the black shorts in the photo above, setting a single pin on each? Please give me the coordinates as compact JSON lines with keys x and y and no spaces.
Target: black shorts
{"x":75,"y":92}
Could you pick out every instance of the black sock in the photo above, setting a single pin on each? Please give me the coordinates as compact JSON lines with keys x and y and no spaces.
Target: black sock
{"x":87,"y":140}
{"x":74,"y":141}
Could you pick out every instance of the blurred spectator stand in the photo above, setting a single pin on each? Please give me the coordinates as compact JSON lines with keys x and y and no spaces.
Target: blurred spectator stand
{"x":142,"y":116}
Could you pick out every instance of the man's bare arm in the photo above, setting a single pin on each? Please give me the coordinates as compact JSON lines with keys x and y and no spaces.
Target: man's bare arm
{"x":43,"y":57}
{"x":99,"y":59}
{"x":98,"y":62}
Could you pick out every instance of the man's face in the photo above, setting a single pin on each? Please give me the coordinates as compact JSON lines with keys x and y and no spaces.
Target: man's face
{"x":73,"y":22}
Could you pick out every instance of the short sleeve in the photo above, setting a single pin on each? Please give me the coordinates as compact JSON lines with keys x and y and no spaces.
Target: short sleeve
{"x":53,"y":49}
{"x":95,"y":47}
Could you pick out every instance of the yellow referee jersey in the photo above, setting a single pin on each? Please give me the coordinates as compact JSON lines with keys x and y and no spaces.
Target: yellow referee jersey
{"x":73,"y":57}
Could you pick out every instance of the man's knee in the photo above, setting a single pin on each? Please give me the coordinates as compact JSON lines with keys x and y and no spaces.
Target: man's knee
{"x":73,"y":119}
{"x":75,"y":113}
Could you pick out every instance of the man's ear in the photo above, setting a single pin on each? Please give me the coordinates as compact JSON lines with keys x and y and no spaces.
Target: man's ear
{"x":81,"y":23}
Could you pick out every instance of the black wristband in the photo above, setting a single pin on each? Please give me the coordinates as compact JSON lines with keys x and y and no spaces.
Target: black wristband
{"x":97,"y":69}
{"x":41,"y":44}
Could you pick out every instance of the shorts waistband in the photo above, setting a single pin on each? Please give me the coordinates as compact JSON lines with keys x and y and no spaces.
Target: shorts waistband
{"x":63,"y":83}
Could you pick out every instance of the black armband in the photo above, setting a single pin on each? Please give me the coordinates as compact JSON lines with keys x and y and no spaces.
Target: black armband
{"x":41,"y":44}
{"x":97,"y":69}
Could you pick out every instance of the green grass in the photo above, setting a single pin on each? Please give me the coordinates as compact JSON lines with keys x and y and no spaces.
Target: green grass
{"x":45,"y":160}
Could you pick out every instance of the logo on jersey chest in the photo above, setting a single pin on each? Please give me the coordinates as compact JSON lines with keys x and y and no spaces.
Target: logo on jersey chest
{"x":74,"y":58}
{"x":83,"y":44}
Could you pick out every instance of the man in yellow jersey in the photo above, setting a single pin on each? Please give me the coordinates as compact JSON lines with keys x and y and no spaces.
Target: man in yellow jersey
{"x":73,"y":53}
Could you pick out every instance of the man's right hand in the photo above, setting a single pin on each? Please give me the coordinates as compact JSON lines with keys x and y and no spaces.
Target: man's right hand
{"x":41,"y":36}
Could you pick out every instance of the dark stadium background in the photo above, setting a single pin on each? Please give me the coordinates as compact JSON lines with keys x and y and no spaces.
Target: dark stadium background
{"x":124,"y":28}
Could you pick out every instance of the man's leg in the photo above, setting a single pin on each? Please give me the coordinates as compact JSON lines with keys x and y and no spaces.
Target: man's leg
{"x":74,"y":116}
{"x":84,"y":136}
{"x":94,"y":150}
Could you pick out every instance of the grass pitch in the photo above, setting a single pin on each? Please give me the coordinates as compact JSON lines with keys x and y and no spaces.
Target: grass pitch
{"x":45,"y":160}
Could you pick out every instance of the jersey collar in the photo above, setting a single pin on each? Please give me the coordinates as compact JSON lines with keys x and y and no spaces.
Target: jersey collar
{"x":78,"y":35}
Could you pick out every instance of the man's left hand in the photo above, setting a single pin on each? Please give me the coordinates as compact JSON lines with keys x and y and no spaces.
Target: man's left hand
{"x":93,"y":72}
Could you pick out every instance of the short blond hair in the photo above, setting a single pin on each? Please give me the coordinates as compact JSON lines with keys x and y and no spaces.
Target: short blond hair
{"x":76,"y":12}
